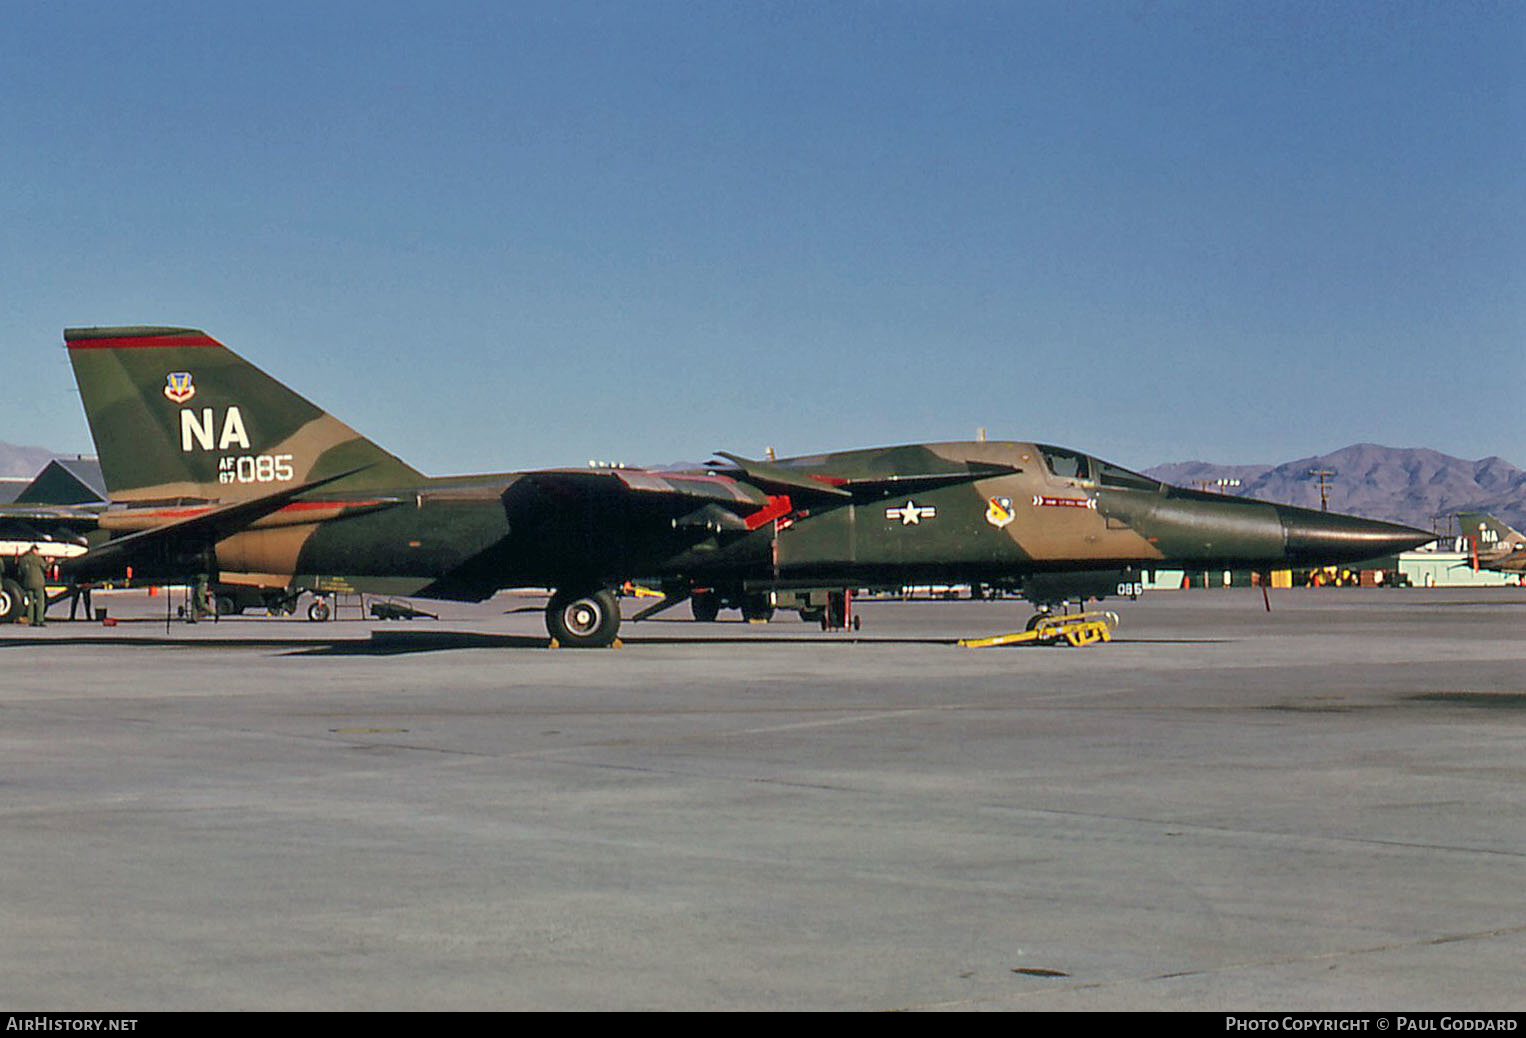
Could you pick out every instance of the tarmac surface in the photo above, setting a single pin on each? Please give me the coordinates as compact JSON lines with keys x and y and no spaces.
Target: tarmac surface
{"x":1321,"y":807}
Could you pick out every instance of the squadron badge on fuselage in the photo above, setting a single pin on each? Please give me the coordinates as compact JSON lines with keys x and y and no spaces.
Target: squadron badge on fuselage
{"x":178,"y":386}
{"x":999,"y":511}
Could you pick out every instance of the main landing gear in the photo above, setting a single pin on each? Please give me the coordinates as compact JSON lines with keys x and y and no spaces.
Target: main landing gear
{"x":583,"y":619}
{"x":12,"y":601}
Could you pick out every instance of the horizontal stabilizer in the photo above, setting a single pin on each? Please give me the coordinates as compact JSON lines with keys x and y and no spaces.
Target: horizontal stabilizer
{"x":205,"y":528}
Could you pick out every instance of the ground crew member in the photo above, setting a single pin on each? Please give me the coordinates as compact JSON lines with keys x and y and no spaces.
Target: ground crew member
{"x":79,"y":591}
{"x":201,"y":597}
{"x":34,"y":580}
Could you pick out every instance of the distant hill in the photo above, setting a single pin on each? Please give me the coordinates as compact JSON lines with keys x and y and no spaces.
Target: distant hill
{"x":25,"y":462}
{"x":1415,"y":486}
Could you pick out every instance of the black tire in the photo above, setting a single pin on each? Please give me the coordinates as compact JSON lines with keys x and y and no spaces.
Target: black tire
{"x":12,"y":601}
{"x":319,"y":611}
{"x":757,"y":607}
{"x":836,"y":617}
{"x":227,"y":605}
{"x":705,"y":605}
{"x":582,"y":619}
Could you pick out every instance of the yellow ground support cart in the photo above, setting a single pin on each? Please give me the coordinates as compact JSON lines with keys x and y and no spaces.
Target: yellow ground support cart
{"x":1072,"y":628}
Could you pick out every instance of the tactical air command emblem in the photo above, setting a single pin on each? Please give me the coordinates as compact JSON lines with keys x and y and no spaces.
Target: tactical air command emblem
{"x":999,"y":511}
{"x":178,"y":387}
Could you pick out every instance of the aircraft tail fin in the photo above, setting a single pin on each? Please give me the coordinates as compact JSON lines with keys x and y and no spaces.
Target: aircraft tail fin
{"x":1488,"y":534}
{"x":176,"y":415}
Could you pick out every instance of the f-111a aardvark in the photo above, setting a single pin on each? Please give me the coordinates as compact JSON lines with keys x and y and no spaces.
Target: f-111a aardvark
{"x":1492,"y":543}
{"x":214,"y":468}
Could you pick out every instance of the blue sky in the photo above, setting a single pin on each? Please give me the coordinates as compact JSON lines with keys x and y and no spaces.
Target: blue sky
{"x":497,"y":235}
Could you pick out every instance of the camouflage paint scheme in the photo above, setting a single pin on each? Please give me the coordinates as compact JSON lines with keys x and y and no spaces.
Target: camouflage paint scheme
{"x":1494,"y":544}
{"x":213,"y":466}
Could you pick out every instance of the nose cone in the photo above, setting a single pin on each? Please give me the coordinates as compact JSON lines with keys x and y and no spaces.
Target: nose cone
{"x":1324,"y":538}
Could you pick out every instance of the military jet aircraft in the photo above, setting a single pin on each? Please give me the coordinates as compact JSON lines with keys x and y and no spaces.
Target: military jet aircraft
{"x":1493,"y":544}
{"x":215,"y":468}
{"x":58,"y":533}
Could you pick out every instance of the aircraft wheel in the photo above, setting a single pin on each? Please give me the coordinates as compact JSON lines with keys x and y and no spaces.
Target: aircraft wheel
{"x":836,"y":617}
{"x":757,"y":607}
{"x":227,"y":605}
{"x":583,"y":620}
{"x":12,"y":601}
{"x":705,"y":606}
{"x":318,"y":611}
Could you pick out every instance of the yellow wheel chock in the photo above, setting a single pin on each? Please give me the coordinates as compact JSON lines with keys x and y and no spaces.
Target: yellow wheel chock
{"x":1074,"y":628}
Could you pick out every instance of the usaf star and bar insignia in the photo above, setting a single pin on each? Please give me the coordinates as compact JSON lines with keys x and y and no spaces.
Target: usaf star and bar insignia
{"x":911,"y":513}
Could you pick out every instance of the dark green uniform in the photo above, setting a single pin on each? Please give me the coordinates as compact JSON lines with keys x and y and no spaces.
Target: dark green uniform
{"x":34,"y":581}
{"x":201,"y":598}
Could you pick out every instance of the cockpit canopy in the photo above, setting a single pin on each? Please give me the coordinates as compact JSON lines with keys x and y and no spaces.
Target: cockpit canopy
{"x":1064,"y":463}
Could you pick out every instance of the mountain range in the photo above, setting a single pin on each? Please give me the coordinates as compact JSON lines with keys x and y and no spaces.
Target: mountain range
{"x":1410,"y":485}
{"x":24,"y":462}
